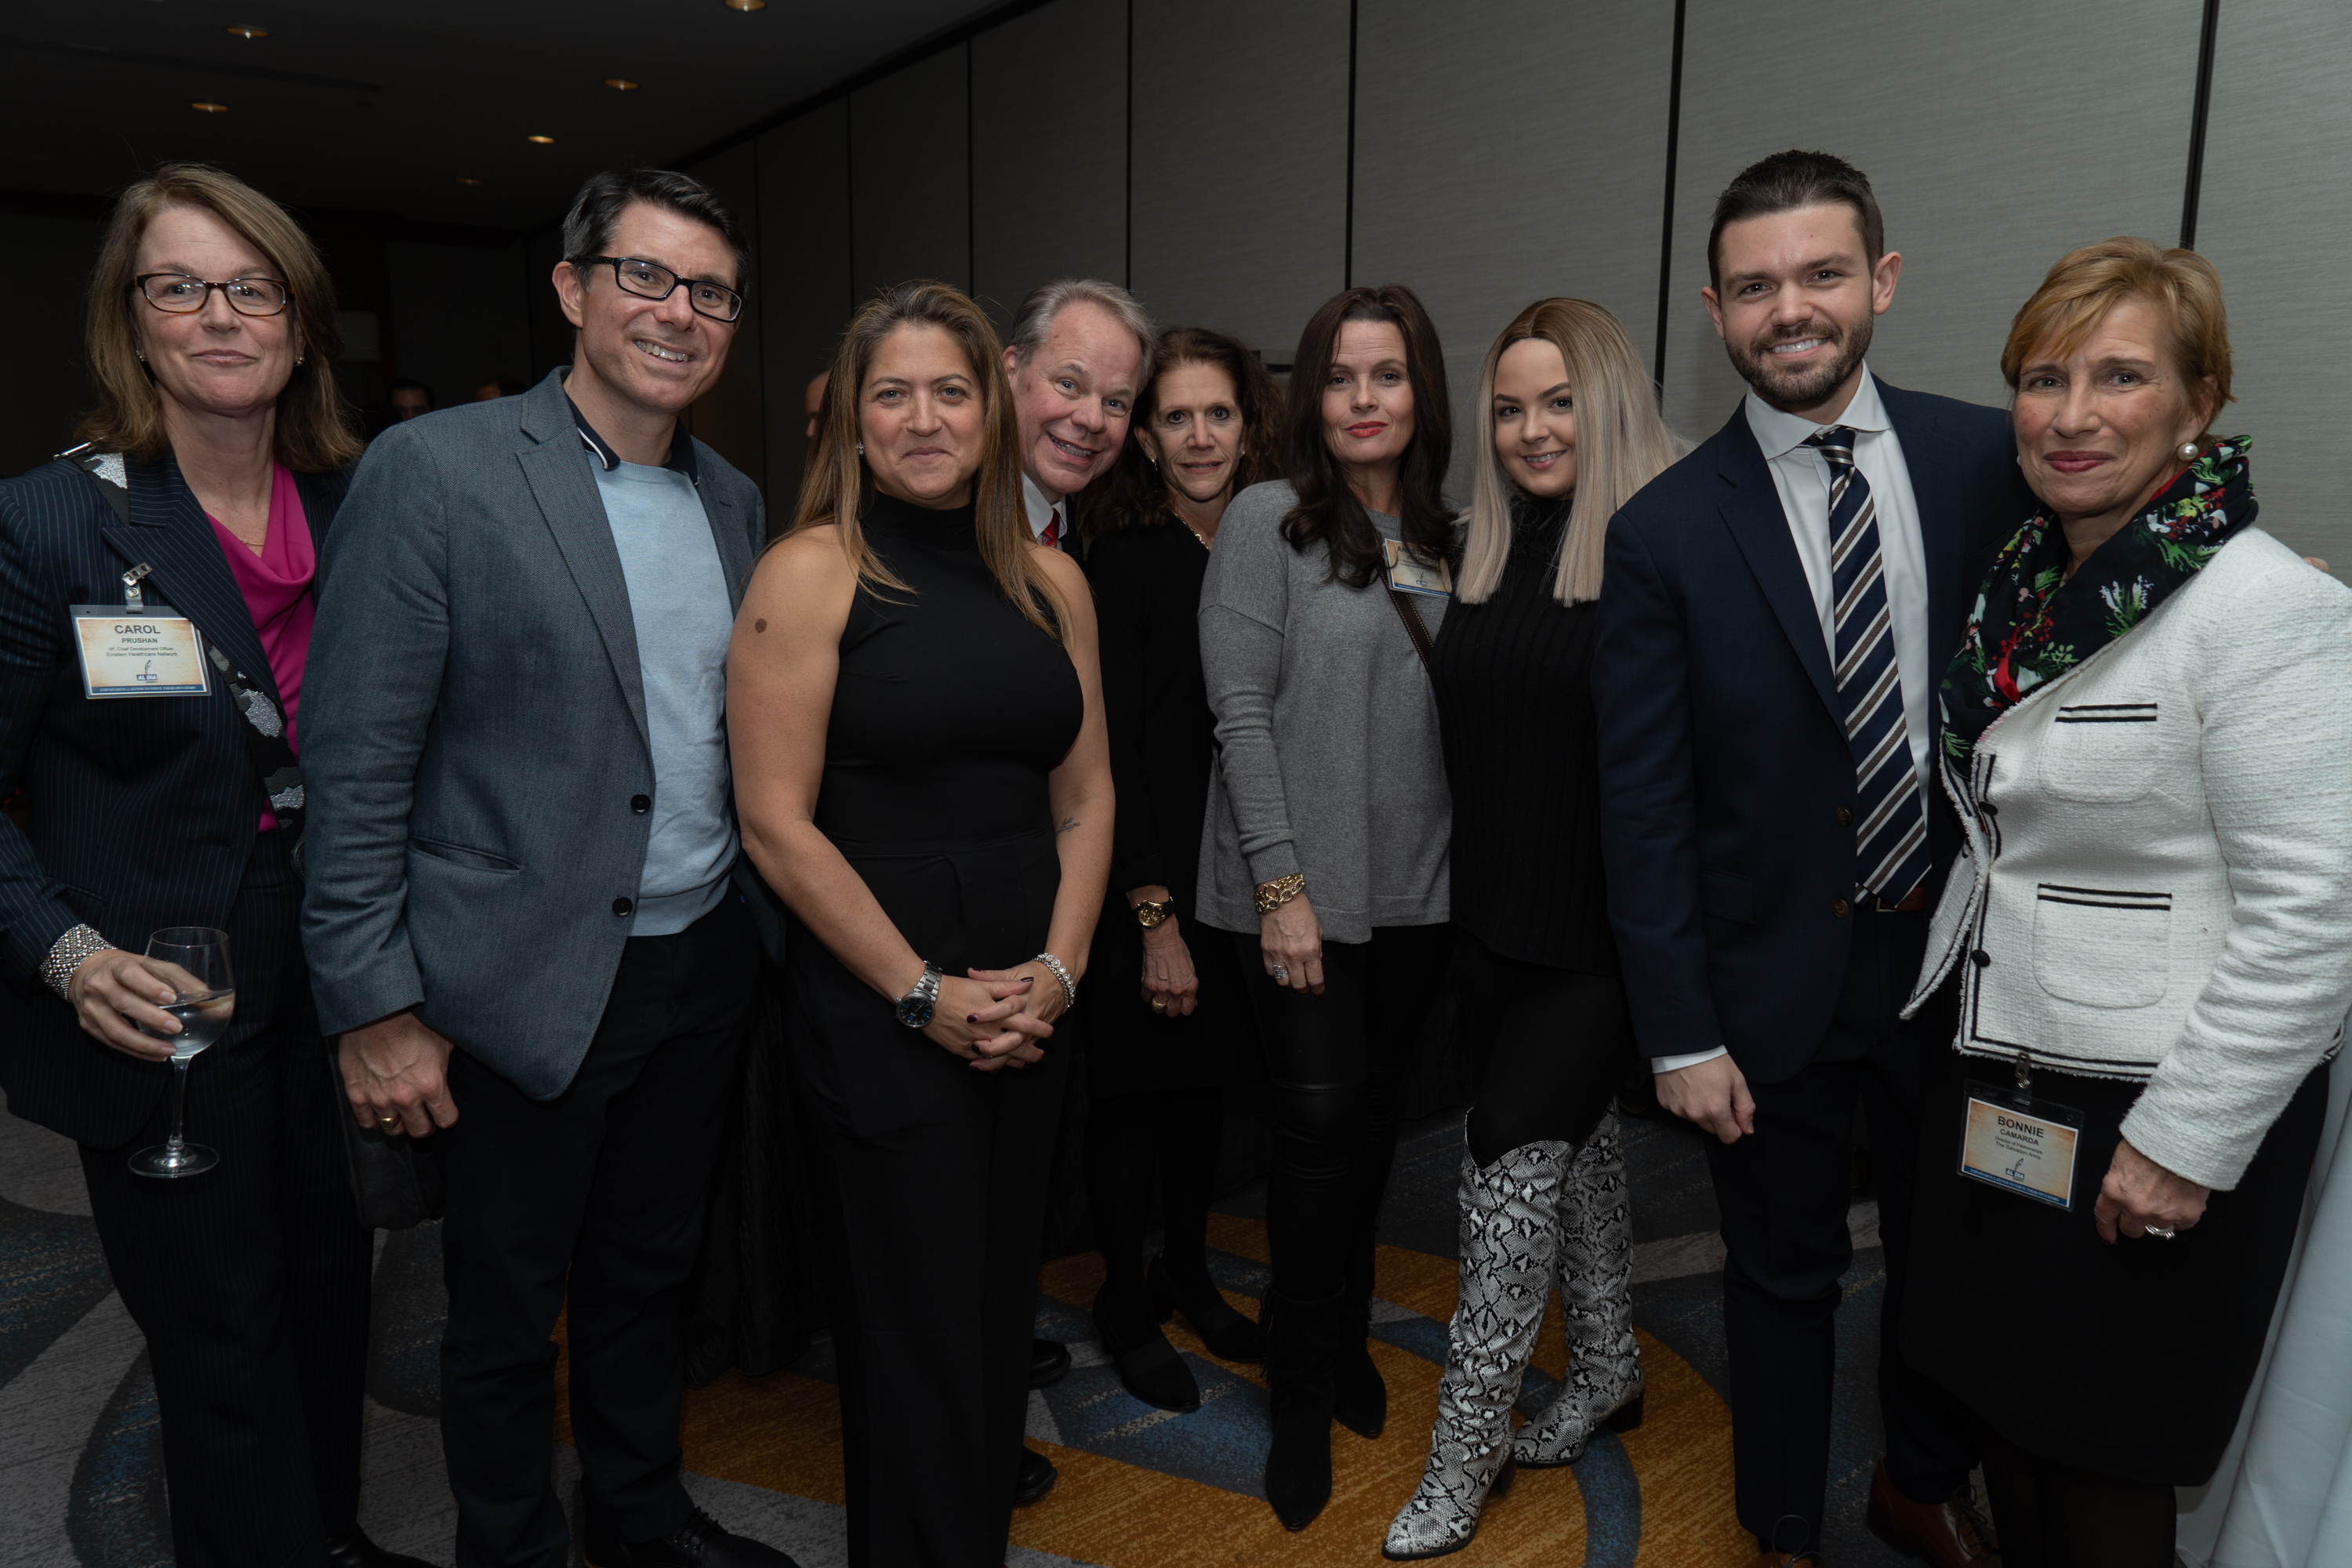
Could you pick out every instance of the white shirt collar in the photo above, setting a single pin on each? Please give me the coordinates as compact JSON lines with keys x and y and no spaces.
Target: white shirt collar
{"x":1039,"y":504}
{"x":1781,"y":433}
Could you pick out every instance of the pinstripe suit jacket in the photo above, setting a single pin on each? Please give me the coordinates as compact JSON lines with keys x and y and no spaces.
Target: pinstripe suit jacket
{"x":142,"y":808}
{"x":471,"y":848}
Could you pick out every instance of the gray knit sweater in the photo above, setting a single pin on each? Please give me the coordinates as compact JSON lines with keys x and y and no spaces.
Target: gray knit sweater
{"x":1329,"y":759}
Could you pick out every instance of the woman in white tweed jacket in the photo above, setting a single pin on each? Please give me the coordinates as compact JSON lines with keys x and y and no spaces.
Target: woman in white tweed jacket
{"x":2148,"y":737}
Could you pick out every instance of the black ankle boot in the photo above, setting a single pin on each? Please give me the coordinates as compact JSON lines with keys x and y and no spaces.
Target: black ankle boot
{"x":1359,"y":1398}
{"x":1229,"y":1336}
{"x":1149,"y":1367}
{"x":1300,"y":1338}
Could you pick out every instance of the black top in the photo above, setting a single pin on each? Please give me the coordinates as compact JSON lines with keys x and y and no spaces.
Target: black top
{"x":1512,"y":678}
{"x":949,"y":711}
{"x":1147,"y":587}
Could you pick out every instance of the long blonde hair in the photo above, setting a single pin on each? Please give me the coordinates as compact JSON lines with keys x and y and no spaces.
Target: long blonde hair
{"x":837,"y":484}
{"x":314,"y":427}
{"x":1620,"y":446}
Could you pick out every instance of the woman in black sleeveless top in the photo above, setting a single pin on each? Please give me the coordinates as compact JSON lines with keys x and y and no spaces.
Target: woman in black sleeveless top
{"x":921,"y":775}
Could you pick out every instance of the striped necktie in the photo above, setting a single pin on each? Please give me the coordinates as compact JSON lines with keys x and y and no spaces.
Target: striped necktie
{"x":1890,"y":832}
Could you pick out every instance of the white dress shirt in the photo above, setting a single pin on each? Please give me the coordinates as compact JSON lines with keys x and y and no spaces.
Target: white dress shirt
{"x":1040,"y":508}
{"x":1801,"y":475}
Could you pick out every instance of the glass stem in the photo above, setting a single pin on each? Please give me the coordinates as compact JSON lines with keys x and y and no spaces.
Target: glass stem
{"x":179,"y":1102}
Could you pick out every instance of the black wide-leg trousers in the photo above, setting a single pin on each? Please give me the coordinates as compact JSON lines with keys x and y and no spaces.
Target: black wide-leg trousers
{"x":1784,"y":1192}
{"x":591,"y":1205}
{"x":250,"y":1282}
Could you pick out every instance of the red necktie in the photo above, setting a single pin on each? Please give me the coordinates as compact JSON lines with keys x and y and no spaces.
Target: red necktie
{"x":1052,"y":538}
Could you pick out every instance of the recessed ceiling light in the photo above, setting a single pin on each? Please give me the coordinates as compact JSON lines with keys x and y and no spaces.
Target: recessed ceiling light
{"x":542,"y":141}
{"x":468,"y":180}
{"x":207,"y":106}
{"x":620,"y":84}
{"x":244,"y":30}
{"x":747,"y":5}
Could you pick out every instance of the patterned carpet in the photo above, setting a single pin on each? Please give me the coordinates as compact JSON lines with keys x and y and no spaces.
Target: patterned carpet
{"x":81,"y":1478}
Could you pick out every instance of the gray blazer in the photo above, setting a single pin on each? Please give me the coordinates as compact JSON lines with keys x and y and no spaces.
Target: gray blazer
{"x":473,"y":729}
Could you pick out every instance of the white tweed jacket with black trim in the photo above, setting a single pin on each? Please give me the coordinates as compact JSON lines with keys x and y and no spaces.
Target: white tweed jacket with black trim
{"x":2156,"y":879}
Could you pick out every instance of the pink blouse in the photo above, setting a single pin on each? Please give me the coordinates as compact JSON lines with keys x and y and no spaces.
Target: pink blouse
{"x":277,"y":588}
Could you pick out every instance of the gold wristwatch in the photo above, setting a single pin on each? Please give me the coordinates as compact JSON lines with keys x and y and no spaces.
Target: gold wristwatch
{"x":1150,"y":912}
{"x":1272,"y":896}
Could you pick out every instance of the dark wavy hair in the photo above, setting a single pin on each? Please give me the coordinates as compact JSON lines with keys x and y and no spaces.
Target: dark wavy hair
{"x":1134,"y":494}
{"x":1328,"y":512}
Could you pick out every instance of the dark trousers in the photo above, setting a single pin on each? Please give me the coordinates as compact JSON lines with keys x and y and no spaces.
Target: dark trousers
{"x":1336,"y":1062}
{"x":251,"y":1280}
{"x":1557,"y":1044}
{"x":1784,"y":1192}
{"x":1170,"y":1134}
{"x":935,"y":1181}
{"x":604,"y":1184}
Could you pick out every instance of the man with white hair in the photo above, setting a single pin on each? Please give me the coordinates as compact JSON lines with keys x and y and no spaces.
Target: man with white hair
{"x":1077,"y":356}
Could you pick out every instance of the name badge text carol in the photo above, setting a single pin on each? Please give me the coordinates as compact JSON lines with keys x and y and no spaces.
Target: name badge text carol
{"x":139,"y":652}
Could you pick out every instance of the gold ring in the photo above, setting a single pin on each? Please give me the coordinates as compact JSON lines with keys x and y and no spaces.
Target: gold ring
{"x":387,"y":1122}
{"x":1159,"y":1003}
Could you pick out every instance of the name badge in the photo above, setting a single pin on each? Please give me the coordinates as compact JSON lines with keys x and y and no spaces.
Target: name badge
{"x":138,"y":651}
{"x":1408,"y":574}
{"x":2011,"y":1141}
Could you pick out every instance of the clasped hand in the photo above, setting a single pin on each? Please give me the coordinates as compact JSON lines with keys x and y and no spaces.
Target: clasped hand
{"x":1170,"y":984}
{"x":996,"y":1018}
{"x":2139,"y":1194}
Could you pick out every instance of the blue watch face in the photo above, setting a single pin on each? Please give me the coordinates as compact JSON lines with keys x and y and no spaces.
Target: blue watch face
{"x":915,"y":1012}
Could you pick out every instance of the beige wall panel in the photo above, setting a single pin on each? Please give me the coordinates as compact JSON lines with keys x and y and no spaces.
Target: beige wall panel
{"x":1049,"y":151}
{"x":2275,"y":216}
{"x":1491,"y":172}
{"x":805,"y":295}
{"x":1998,"y":134}
{"x":910,"y":185}
{"x":1241,"y":163}
{"x":730,"y":417}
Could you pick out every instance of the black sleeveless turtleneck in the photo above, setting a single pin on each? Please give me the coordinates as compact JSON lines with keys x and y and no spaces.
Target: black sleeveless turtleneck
{"x":1512,"y":680}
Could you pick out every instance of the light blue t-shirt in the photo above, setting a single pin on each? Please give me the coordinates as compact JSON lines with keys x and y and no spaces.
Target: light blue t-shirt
{"x":678,"y":598}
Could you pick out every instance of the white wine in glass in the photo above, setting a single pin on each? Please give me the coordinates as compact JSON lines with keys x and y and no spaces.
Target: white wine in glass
{"x":194,"y":961}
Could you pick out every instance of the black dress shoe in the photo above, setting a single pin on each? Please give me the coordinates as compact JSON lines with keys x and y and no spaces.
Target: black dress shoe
{"x":1149,"y":1366}
{"x":356,"y":1551}
{"x":1037,"y":1475}
{"x":700,"y":1542}
{"x":1228,"y":1334}
{"x":1049,"y":1362}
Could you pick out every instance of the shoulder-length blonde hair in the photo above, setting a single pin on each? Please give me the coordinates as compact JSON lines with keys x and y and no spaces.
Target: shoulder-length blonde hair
{"x":1620,"y":446}
{"x":837,"y":484}
{"x":314,"y":429}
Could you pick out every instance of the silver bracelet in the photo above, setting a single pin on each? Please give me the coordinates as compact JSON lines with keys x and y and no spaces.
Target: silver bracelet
{"x":1069,"y":986}
{"x":71,"y":949}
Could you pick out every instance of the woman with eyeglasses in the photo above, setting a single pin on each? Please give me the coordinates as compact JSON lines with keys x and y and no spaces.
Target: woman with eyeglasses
{"x":212,"y":466}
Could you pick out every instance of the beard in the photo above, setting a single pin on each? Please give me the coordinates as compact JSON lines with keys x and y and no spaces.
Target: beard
{"x":1801,"y":386}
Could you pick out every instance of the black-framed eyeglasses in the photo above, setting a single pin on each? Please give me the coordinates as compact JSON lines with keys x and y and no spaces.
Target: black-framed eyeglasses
{"x":181,"y":293}
{"x":651,"y":281}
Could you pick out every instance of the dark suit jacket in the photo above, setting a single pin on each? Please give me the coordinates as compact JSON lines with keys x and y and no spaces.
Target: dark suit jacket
{"x":1724,"y":761}
{"x":142,"y":808}
{"x":471,"y":846}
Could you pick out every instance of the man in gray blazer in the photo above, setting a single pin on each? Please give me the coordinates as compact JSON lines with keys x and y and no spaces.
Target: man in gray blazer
{"x":527,"y":913}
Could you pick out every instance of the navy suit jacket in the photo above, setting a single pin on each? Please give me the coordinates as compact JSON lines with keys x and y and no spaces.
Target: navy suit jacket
{"x":143,"y":809}
{"x":1724,"y":761}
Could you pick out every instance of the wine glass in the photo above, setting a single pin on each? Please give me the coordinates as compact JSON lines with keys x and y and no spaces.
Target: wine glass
{"x":194,"y":961}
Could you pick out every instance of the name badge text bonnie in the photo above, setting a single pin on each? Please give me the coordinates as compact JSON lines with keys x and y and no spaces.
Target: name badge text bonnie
{"x":146,"y":651}
{"x":1407,"y":573}
{"x":2023,"y":1145}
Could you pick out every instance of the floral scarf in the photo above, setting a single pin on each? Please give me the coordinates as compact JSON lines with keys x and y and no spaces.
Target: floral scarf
{"x":2032,"y":623}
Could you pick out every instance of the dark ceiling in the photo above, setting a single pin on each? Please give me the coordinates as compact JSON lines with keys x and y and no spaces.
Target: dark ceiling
{"x":387,"y":105}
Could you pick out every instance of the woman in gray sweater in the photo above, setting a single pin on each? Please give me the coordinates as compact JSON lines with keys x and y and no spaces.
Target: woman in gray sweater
{"x":1325,"y":853}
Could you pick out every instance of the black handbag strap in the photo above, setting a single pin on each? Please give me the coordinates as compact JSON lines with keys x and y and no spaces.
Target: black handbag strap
{"x":1410,"y":615}
{"x":265,"y":726}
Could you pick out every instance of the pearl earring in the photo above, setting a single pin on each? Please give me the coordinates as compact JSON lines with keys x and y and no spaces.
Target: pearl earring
{"x":2188,"y":451}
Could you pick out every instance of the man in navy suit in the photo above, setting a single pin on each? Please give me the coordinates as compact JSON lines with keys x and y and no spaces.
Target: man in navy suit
{"x":1778,"y":610}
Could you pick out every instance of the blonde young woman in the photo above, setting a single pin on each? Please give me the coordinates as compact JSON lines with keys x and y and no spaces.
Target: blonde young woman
{"x":915,"y":722}
{"x":1572,"y":432}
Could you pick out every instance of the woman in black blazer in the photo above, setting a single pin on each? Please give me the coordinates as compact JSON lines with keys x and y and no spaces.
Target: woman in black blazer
{"x":1160,"y":1056}
{"x":214,"y":463}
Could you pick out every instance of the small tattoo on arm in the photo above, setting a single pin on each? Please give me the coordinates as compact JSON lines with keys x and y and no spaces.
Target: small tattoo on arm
{"x":1066,"y":825}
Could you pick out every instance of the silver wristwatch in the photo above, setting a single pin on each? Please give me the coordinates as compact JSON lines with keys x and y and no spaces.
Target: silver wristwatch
{"x":916,"y":1007}
{"x":71,"y":949}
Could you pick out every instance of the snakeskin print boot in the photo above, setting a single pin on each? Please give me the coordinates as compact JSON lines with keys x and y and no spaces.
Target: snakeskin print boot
{"x":1510,"y":1239}
{"x":1603,"y":1387}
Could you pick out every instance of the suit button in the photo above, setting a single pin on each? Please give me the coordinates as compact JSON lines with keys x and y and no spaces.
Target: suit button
{"x":1990,"y":809}
{"x":1845,"y":817}
{"x":1983,"y":959}
{"x":622,"y":906}
{"x":641,"y":803}
{"x":1840,"y":909}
